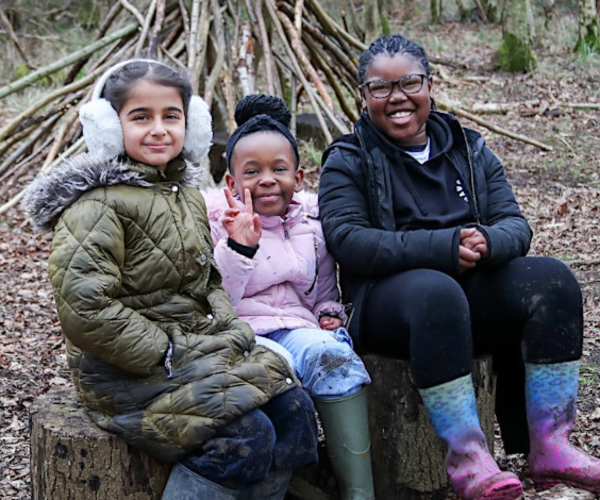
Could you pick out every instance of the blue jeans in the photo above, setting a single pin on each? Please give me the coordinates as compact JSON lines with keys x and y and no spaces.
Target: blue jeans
{"x":324,"y":361}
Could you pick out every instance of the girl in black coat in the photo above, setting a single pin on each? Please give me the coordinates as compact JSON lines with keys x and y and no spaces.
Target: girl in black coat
{"x":431,"y":245}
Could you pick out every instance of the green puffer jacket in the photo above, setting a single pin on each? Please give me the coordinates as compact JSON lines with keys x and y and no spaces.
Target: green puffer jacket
{"x":131,"y":265}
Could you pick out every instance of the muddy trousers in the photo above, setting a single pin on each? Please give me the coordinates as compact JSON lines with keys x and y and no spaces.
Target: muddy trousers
{"x":527,"y":310}
{"x":281,"y":435}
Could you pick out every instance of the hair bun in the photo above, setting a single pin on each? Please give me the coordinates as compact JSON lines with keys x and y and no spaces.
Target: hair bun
{"x":261,"y":104}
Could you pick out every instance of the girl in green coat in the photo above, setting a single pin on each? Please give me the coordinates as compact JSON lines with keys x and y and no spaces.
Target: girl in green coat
{"x":157,"y":354}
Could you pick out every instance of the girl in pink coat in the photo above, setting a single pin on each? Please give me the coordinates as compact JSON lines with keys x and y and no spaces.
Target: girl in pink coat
{"x":270,"y":250}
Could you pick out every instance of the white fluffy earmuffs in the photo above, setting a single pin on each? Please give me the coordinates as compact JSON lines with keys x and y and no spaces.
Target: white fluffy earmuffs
{"x":103,"y":134}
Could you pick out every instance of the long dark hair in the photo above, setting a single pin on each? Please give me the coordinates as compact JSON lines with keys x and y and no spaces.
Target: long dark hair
{"x":117,"y":87}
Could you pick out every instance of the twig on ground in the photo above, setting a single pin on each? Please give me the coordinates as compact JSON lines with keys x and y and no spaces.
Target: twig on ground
{"x":484,"y":123}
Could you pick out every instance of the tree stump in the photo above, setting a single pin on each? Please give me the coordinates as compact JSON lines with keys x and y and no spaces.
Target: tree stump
{"x":407,"y":456}
{"x":72,"y":458}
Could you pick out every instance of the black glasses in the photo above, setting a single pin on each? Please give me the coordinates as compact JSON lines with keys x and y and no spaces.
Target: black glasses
{"x":409,"y":84}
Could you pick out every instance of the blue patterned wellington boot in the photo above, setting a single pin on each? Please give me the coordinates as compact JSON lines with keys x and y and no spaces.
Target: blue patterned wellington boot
{"x":551,"y":394}
{"x":473,"y":472}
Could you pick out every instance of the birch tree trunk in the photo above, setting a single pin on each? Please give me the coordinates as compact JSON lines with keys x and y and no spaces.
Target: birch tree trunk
{"x":515,"y":54}
{"x":589,"y":35}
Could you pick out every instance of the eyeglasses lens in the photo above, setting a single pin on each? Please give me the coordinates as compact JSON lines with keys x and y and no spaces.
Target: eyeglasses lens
{"x":384,"y":88}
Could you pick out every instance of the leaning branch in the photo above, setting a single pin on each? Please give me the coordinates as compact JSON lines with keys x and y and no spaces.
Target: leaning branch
{"x":145,"y":28}
{"x":13,"y":38}
{"x":73,"y":87}
{"x":31,"y":78}
{"x":296,"y":68}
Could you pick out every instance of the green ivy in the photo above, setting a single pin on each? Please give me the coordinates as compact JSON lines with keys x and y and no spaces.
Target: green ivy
{"x":385,"y":26}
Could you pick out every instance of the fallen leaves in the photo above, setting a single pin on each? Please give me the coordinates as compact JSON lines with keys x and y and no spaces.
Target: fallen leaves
{"x":31,"y":348}
{"x":557,"y":191}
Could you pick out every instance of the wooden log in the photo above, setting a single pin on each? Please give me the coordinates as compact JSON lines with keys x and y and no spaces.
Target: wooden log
{"x":307,"y":128}
{"x":72,"y":458}
{"x":407,"y":456}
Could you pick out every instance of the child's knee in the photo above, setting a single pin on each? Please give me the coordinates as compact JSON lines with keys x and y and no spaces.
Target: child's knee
{"x":335,"y":370}
{"x":240,"y":452}
{"x":278,"y":348}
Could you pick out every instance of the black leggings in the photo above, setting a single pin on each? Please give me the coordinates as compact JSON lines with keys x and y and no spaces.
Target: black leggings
{"x":439,"y":323}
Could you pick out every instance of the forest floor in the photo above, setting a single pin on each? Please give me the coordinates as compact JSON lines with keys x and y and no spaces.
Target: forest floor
{"x":558,"y":190}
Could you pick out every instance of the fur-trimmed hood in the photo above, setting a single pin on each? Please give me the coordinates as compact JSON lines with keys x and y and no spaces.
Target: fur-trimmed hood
{"x":52,"y":192}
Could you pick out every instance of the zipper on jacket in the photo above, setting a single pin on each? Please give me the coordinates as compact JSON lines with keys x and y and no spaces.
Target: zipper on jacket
{"x":349,"y":309}
{"x":314,"y":282}
{"x":285,"y":230}
{"x":472,"y":172}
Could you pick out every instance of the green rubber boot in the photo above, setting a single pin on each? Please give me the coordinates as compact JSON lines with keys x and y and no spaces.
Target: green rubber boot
{"x":345,"y":422}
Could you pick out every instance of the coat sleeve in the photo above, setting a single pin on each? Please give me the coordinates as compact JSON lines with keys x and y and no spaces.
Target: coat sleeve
{"x":87,"y":254}
{"x":218,"y":296}
{"x":327,"y":289}
{"x":506,"y":229}
{"x":364,"y":249}
{"x":235,"y":269}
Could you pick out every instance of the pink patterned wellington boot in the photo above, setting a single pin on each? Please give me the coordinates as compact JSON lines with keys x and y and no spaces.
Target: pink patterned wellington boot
{"x":473,"y":472}
{"x":551,"y":391}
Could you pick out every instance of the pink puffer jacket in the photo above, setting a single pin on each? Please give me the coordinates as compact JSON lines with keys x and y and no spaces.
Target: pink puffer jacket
{"x":291,"y":280}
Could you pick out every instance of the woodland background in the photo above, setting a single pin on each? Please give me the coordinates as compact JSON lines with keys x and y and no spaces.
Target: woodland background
{"x":542,"y":121}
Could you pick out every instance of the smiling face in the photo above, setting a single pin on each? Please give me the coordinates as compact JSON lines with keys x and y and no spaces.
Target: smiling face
{"x":153,"y":123}
{"x":264,"y":163}
{"x":402,"y":117}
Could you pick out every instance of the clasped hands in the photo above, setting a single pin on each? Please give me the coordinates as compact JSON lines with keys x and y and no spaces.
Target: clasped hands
{"x":472,"y":248}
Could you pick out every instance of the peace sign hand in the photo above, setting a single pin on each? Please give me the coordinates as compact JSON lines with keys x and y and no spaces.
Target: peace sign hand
{"x":242,"y":227}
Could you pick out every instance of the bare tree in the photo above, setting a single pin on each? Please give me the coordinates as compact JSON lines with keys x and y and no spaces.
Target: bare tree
{"x":463,"y":12}
{"x":589,"y":36}
{"x":515,"y":54}
{"x":372,"y":20}
{"x":436,"y":8}
{"x":490,"y":10}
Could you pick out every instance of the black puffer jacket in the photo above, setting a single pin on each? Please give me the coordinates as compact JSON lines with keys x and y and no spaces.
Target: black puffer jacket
{"x":355,"y":203}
